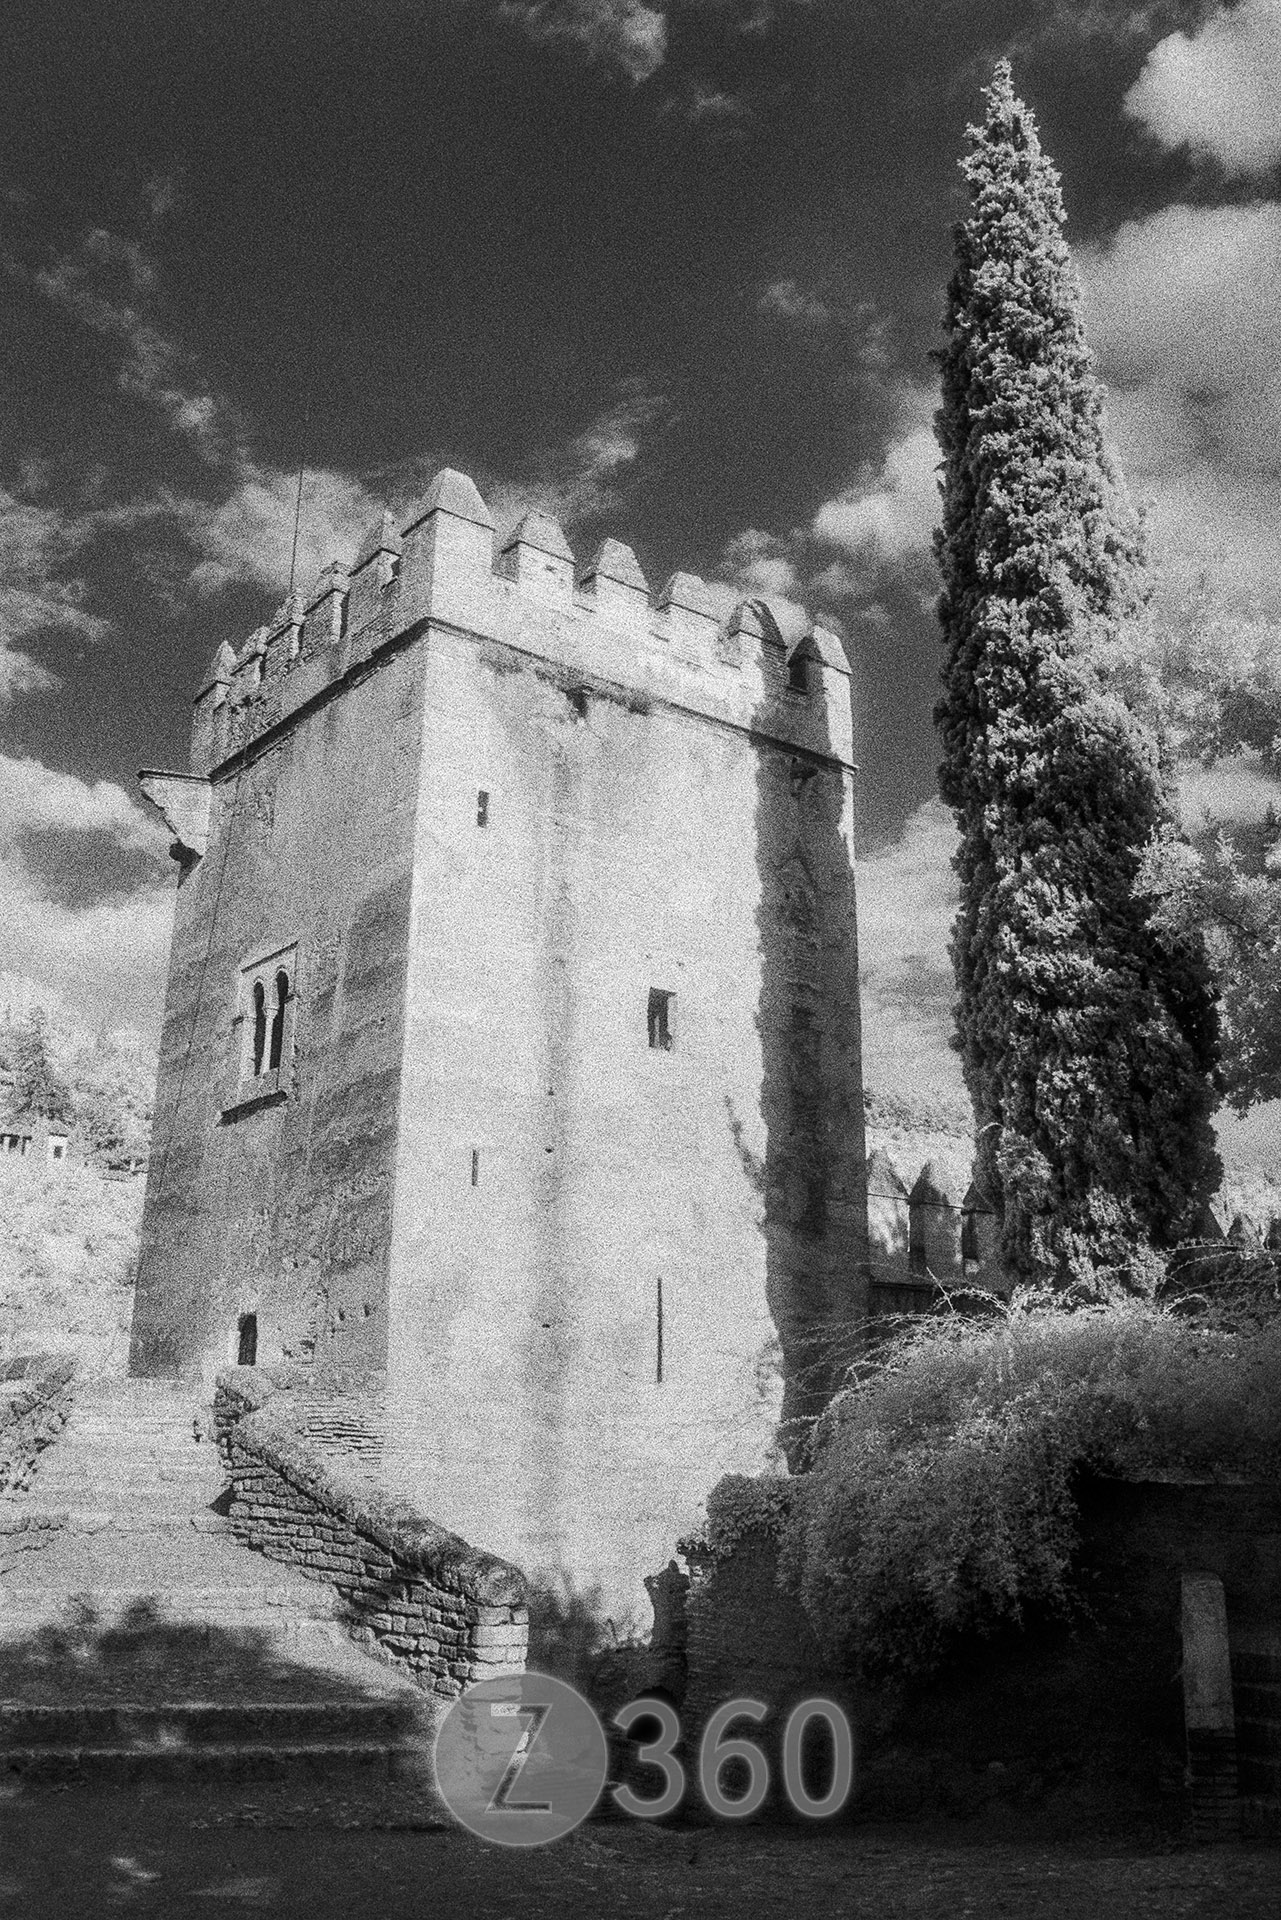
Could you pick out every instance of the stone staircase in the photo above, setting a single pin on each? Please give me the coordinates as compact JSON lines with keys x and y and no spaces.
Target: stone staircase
{"x":1256,"y":1691}
{"x":139,"y":1640}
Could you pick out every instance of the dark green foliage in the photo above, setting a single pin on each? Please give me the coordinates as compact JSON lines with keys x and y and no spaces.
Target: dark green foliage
{"x":101,"y":1091}
{"x":38,"y":1087}
{"x":943,"y":1496}
{"x":113,"y":1086}
{"x":1088,"y":1042}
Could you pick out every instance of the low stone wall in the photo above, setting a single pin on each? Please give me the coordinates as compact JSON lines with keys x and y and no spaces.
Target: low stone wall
{"x":416,"y":1595}
{"x":1151,"y":1532}
{"x":1055,"y":1728}
{"x":35,"y":1402}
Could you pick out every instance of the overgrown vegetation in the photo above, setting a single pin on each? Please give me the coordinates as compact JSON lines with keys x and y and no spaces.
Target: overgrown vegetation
{"x":101,"y":1088}
{"x":892,"y":1112}
{"x":942,"y":1495}
{"x":1215,"y":682}
{"x":1087,"y":1036}
{"x":68,"y":1247}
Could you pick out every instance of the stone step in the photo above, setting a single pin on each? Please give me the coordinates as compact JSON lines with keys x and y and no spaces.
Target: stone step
{"x":105,"y":1466}
{"x":172,"y":1612}
{"x":179,"y":1600}
{"x":201,"y":1723}
{"x":1261,"y":1818}
{"x":233,"y":1762}
{"x":1256,"y":1656}
{"x":123,"y":1489}
{"x":1258,"y":1700}
{"x":318,"y":1644}
{"x":1258,"y":1736}
{"x":1259,"y":1775}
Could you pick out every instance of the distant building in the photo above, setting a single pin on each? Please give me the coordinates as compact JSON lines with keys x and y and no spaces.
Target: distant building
{"x":40,"y":1142}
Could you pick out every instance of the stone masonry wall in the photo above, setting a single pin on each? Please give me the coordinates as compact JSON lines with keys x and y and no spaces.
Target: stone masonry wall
{"x":564,"y":1131}
{"x":35,"y":1402}
{"x":277,"y":1203}
{"x":1076,"y":1726}
{"x":417,"y":1596}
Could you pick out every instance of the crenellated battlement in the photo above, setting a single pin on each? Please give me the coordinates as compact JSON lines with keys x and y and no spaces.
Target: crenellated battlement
{"x":442,"y":569}
{"x":922,"y":1238}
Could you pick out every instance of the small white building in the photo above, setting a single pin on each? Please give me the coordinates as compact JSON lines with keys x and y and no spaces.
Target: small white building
{"x":40,"y":1142}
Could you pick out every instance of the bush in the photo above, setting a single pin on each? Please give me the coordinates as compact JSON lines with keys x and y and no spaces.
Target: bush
{"x":737,"y":1506}
{"x":68,"y":1248}
{"x":942,"y":1497}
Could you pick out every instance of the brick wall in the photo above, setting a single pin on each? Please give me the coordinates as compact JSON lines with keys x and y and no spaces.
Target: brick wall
{"x":415,"y":1595}
{"x":35,"y":1401}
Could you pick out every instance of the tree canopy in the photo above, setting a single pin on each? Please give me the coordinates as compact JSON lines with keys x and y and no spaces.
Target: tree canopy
{"x":1087,"y":1033}
{"x":1214,"y":674}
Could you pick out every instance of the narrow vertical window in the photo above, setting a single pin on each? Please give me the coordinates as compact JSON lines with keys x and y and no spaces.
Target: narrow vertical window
{"x":482,"y":808}
{"x":475,"y":1166}
{"x":260,"y":1025}
{"x":658,"y":1369}
{"x":661,"y":1021}
{"x":278,"y":1021}
{"x":247,"y":1340}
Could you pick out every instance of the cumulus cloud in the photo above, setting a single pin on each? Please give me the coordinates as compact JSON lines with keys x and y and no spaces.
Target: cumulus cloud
{"x":39,"y":589}
{"x":241,"y":533}
{"x":1184,"y":310}
{"x":888,"y":512}
{"x":862,"y":327}
{"x":103,"y":958}
{"x":36,"y":799}
{"x":109,"y":282}
{"x":586,"y":476}
{"x":624,"y":35}
{"x":1217,"y":91}
{"x":757,"y":565}
{"x":713,"y":108}
{"x":788,"y":300}
{"x":881,"y":522}
{"x":1190,"y":298}
{"x":907,"y":895}
{"x":247,"y":538}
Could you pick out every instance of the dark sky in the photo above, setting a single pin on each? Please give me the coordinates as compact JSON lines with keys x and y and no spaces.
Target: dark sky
{"x":674,"y":270}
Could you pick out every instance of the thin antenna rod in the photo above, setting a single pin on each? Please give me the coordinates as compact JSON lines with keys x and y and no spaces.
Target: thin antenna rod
{"x":302,"y":467}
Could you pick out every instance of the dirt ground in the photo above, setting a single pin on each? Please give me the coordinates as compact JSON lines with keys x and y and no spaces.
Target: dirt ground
{"x":80,"y":1853}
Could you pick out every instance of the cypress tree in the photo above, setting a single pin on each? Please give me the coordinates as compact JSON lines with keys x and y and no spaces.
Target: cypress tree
{"x":1088,"y":1038}
{"x":39,"y":1089}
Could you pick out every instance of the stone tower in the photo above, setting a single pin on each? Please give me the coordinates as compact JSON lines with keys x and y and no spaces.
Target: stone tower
{"x":511,"y":1042}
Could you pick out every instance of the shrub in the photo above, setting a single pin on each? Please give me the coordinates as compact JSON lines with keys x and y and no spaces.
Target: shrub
{"x":942,"y":1498}
{"x":68,"y":1247}
{"x":737,"y":1506}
